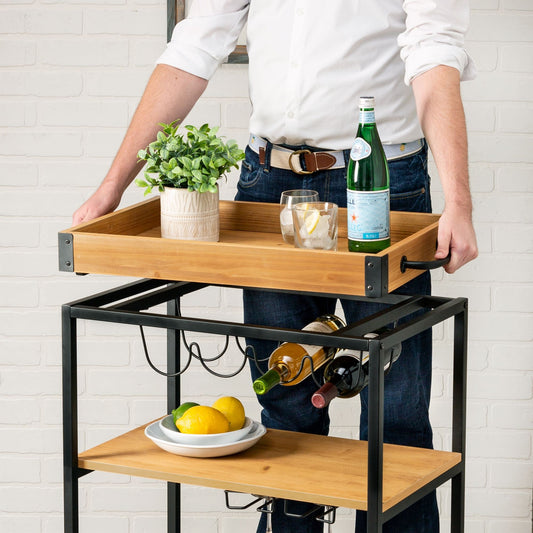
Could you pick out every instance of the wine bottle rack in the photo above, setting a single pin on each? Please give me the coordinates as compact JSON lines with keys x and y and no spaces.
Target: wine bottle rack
{"x":194,"y":351}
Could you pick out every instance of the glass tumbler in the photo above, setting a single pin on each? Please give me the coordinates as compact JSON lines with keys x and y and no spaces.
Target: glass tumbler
{"x":287,"y":201}
{"x":315,"y":225}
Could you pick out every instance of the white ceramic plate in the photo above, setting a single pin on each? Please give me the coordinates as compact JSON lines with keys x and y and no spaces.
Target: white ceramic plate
{"x":168,"y":427}
{"x":154,"y":433}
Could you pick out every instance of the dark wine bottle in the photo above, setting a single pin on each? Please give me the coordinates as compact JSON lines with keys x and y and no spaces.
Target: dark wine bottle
{"x":347,"y":374}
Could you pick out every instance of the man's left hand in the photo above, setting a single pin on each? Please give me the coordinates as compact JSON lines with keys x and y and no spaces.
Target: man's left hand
{"x":456,"y":235}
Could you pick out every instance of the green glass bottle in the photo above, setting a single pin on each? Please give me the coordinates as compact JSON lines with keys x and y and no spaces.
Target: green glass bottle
{"x":367,"y":183}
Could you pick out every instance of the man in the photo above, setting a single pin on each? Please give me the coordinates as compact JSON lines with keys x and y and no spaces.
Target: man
{"x":309,"y":63}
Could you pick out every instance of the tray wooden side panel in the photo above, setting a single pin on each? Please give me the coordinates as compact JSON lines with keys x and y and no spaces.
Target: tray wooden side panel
{"x":405,"y":224}
{"x":264,"y":217}
{"x":132,"y":220}
{"x":261,"y":217}
{"x":247,"y":265}
{"x":282,"y":464}
{"x":420,"y":246}
{"x":249,"y":216}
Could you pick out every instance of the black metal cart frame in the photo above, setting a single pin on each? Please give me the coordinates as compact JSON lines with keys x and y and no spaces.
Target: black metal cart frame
{"x":130,"y":304}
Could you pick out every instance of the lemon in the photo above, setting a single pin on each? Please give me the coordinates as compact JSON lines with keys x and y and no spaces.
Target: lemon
{"x":180,"y":411}
{"x":312,"y":216}
{"x":233,"y":410}
{"x":201,"y":419}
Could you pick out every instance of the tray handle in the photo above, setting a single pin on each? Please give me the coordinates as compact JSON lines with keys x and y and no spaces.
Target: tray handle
{"x":423,"y":265}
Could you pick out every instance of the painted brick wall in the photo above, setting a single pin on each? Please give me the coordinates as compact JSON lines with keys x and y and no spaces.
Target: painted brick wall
{"x":71,"y":73}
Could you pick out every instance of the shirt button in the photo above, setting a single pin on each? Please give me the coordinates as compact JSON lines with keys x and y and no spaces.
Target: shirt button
{"x":299,"y":11}
{"x":290,"y":114}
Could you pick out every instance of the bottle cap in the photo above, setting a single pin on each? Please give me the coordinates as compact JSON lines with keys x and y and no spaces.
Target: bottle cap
{"x":324,"y":395}
{"x":366,"y":101}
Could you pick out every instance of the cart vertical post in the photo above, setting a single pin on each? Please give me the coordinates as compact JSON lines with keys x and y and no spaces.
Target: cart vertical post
{"x":173,"y":400}
{"x":459,"y":416}
{"x":70,"y":421}
{"x":376,"y":389}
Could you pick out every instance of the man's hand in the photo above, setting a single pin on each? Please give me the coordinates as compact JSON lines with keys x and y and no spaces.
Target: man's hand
{"x":104,"y":200}
{"x":456,"y":235}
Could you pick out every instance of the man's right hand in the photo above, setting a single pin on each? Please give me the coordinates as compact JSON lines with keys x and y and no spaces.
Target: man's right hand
{"x":104,"y":200}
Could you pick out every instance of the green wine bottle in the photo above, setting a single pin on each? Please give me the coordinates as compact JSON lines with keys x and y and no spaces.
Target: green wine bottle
{"x":367,"y":182}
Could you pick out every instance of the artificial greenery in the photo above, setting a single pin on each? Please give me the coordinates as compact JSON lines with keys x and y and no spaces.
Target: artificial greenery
{"x":195,"y":160}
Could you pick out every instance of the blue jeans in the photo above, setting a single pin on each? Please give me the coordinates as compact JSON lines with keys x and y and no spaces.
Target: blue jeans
{"x":407,"y":385}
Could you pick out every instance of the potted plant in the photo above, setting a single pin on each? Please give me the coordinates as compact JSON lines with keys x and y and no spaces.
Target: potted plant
{"x":185,"y":168}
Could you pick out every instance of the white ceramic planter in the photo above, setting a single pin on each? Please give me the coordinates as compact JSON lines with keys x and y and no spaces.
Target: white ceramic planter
{"x":189,"y":215}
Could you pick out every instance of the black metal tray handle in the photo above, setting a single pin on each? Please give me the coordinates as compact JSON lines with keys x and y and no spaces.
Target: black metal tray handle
{"x":423,"y":265}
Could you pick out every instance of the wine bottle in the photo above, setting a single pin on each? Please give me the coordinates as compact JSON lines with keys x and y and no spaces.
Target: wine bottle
{"x":367,"y":183}
{"x":286,"y":360}
{"x":347,"y":374}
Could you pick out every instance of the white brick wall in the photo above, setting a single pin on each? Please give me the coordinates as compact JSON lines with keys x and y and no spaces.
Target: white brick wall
{"x":70,"y":78}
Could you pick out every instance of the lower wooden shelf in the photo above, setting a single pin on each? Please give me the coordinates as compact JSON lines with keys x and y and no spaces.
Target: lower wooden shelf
{"x":312,"y":468}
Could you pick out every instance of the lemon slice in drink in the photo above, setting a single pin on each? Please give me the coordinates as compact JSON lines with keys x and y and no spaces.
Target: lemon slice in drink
{"x":312,"y":217}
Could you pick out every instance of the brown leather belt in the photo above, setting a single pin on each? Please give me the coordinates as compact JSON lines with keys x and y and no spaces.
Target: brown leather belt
{"x":282,"y":157}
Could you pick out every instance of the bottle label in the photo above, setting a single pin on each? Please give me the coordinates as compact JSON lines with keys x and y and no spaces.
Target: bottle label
{"x":360,"y":149}
{"x":367,"y":116}
{"x":361,"y":356}
{"x":368,"y":215}
{"x":316,"y":327}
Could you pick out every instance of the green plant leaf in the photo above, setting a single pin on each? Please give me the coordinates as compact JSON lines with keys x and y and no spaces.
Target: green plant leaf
{"x":195,"y":159}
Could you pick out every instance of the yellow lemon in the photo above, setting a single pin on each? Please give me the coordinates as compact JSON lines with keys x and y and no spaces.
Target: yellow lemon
{"x":201,"y":419}
{"x":233,"y":410}
{"x":312,"y":216}
{"x":180,"y":411}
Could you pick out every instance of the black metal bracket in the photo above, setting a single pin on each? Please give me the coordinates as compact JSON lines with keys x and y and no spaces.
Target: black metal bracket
{"x":318,"y":512}
{"x":328,"y":511}
{"x":376,"y":275}
{"x":66,"y":252}
{"x":233,"y":507}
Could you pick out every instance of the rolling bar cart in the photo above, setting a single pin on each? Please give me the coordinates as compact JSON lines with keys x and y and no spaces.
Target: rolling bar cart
{"x":380,"y":478}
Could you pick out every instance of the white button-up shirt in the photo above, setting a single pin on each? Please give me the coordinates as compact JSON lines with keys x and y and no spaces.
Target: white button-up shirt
{"x":311,"y":60}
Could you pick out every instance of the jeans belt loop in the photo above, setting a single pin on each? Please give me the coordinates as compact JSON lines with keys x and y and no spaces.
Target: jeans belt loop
{"x":264,"y":149}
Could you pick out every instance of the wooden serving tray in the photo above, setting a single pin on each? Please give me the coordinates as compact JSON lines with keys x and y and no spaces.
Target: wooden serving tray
{"x":251,"y":252}
{"x":283,"y":464}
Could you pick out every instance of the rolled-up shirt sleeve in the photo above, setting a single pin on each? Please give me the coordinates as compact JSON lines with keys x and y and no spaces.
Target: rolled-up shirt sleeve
{"x":434,"y":35}
{"x":206,"y":37}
